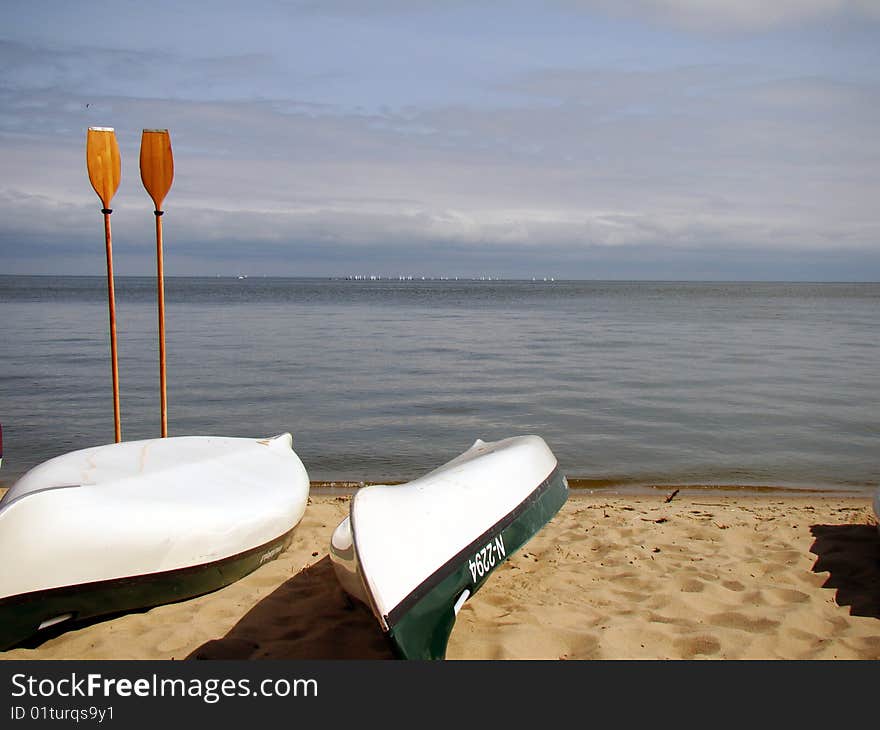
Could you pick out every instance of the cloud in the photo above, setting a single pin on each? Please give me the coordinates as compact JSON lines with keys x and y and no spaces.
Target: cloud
{"x":693,"y":164}
{"x":737,"y":16}
{"x":563,"y":162}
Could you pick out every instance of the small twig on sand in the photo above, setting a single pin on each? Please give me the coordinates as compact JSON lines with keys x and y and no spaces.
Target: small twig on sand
{"x":671,"y":496}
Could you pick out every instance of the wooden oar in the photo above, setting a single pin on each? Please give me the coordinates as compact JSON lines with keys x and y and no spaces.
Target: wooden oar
{"x":102,"y":160}
{"x":157,"y":173}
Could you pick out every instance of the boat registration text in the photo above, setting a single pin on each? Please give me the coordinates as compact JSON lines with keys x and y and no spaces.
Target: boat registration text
{"x":487,"y":558}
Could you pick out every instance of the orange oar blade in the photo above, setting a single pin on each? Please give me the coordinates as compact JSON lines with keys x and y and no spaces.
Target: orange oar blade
{"x":102,"y":159}
{"x":157,"y":164}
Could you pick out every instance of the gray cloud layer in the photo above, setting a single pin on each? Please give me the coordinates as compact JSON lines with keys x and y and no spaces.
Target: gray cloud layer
{"x":741,"y":15}
{"x":728,"y":167}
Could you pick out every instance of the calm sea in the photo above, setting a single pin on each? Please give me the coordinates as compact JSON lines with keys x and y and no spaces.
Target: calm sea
{"x":629,"y":383}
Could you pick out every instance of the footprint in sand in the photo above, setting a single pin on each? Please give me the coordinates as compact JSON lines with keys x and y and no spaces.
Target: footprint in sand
{"x":583,"y":646}
{"x":784,"y":596}
{"x":691,"y":646}
{"x":870,"y":647}
{"x":736,"y":620}
{"x":754,"y":598}
{"x":691,"y":585}
{"x":632,"y":596}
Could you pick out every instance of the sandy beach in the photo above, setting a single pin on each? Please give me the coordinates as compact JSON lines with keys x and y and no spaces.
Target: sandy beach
{"x":704,"y":576}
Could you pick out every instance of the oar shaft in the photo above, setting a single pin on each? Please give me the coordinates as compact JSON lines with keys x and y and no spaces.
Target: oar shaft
{"x":111,"y":296}
{"x":160,"y":277}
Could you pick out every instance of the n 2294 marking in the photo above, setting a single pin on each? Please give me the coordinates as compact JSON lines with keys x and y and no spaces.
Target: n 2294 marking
{"x":487,"y":558}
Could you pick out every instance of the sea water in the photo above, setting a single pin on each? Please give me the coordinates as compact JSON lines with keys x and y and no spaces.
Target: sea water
{"x":630,"y":383}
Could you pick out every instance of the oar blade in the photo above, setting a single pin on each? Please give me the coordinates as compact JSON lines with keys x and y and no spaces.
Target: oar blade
{"x":157,"y":164}
{"x":102,"y":160}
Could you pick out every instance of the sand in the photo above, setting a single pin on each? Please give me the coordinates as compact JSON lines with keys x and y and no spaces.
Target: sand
{"x":705,"y":576}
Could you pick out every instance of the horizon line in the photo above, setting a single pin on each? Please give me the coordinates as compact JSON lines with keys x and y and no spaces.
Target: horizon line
{"x":419,"y":278}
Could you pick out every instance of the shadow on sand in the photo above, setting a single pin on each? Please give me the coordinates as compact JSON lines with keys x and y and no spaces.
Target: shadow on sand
{"x":307,"y":617}
{"x":851,"y":556}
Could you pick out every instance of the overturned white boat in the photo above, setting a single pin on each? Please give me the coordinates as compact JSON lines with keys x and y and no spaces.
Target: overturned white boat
{"x":136,"y":524}
{"x":415,"y":552}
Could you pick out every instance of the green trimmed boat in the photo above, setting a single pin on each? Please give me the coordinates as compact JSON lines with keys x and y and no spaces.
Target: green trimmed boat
{"x":415,"y":552}
{"x":136,"y":524}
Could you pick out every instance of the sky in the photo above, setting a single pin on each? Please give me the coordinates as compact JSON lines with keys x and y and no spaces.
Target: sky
{"x":588,"y":139}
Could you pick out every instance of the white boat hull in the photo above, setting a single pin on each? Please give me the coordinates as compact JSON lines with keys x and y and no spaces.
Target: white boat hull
{"x":139,"y":523}
{"x":414,"y":553}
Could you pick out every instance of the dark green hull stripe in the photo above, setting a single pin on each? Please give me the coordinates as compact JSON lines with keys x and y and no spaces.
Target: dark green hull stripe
{"x":454,"y":562}
{"x":21,"y":615}
{"x":419,"y":626}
